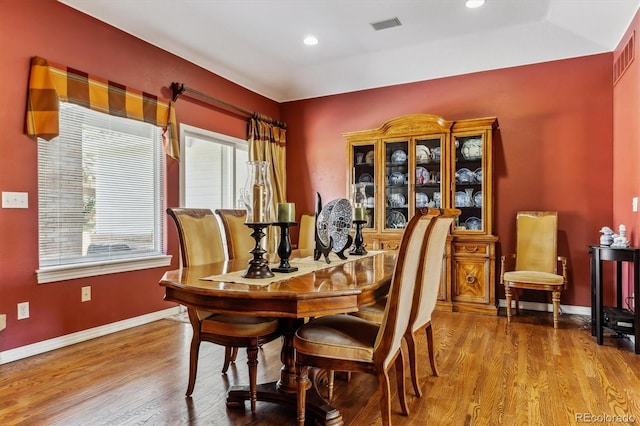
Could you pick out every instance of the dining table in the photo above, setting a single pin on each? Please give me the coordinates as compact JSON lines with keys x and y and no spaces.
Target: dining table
{"x":319,"y":288}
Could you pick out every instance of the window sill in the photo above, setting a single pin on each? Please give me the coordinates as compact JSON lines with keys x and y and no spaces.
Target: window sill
{"x":69,"y":272}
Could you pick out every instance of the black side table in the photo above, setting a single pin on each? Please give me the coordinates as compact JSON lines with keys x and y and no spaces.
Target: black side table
{"x":618,"y":255}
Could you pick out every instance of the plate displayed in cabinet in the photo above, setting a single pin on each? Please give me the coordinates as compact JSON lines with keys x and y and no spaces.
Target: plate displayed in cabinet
{"x":472,"y":149}
{"x":396,"y":200}
{"x":461,"y":199}
{"x":473,"y":224}
{"x":464,"y":175}
{"x":398,"y":157}
{"x":477,"y":175}
{"x":396,"y":220}
{"x":477,"y":199}
{"x":435,"y":153}
{"x":365,"y":178}
{"x":369,"y":158}
{"x":422,"y":200}
{"x":422,"y":176}
{"x":396,"y":178}
{"x":423,"y":155}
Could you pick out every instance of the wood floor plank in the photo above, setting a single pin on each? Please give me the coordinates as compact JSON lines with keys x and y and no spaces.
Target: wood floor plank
{"x":490,"y":374}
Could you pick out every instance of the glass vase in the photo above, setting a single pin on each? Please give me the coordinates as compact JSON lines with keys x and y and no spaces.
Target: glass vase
{"x":256,"y":194}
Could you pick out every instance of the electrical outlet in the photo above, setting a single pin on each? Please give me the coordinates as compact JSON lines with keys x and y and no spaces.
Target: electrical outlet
{"x":86,"y":294}
{"x":15,"y":200}
{"x":23,"y":310}
{"x":634,"y":204}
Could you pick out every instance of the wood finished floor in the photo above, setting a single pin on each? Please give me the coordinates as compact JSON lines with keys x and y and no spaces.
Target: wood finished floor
{"x":527,"y":374}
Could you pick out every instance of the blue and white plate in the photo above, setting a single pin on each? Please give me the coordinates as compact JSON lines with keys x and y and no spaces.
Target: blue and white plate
{"x":423,"y":155}
{"x":422,"y":200}
{"x":398,"y":157}
{"x":477,"y":175}
{"x":477,"y":199}
{"x":396,"y":200}
{"x":473,"y":224}
{"x":340,"y":220}
{"x":396,"y":220}
{"x":396,"y":178}
{"x":464,"y":175}
{"x":461,"y":199}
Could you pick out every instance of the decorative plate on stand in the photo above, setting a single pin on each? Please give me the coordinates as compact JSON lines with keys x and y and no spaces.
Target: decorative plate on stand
{"x":340,"y":219}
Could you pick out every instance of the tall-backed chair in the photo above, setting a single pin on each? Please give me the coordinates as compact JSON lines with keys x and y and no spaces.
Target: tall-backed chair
{"x":201,"y":243}
{"x":536,"y":260}
{"x":307,"y":235}
{"x":426,"y":293}
{"x":349,"y":343}
{"x":237,"y":234}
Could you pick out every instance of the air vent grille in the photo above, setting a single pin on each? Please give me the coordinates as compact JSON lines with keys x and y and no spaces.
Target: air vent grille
{"x":388,"y":23}
{"x":624,"y":59}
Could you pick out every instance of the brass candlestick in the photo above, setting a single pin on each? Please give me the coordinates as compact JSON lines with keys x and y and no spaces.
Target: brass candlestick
{"x":284,"y":248}
{"x":258,"y":266}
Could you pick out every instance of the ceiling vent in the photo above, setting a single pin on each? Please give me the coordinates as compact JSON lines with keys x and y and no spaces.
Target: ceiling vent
{"x":624,"y":59}
{"x":388,"y":23}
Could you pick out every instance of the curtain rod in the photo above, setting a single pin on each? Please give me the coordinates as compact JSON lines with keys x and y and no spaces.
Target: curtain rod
{"x":180,"y":88}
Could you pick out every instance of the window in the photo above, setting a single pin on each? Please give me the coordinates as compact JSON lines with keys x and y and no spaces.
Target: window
{"x":213,"y":169}
{"x":100,"y":196}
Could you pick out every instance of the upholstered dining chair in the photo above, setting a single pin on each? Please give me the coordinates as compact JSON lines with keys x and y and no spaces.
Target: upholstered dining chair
{"x":237,"y":234}
{"x":349,"y":343}
{"x":534,"y":266}
{"x":426,"y":294}
{"x":201,"y":243}
{"x":307,"y":234}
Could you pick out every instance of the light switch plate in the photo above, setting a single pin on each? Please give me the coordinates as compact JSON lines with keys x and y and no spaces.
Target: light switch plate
{"x":634,"y":204}
{"x":15,"y":200}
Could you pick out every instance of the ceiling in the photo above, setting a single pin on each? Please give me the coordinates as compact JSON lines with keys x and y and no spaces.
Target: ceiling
{"x":258,"y":43}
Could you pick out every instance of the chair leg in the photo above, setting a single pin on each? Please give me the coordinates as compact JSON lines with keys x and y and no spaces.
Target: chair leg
{"x":507,"y":294}
{"x":432,"y":357}
{"x":385,"y":399}
{"x":302,"y":380}
{"x":402,"y":389}
{"x":516,"y":296}
{"x":331,"y":375}
{"x":413,"y":364}
{"x":555,"y":297}
{"x":252,"y":362}
{"x":229,"y":357}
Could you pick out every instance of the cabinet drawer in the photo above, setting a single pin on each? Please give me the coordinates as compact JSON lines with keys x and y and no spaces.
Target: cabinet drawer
{"x":389,"y":244}
{"x":471,"y":248}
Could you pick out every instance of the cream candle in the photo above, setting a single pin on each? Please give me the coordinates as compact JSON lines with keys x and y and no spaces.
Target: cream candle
{"x":286,"y":212}
{"x":359,"y":213}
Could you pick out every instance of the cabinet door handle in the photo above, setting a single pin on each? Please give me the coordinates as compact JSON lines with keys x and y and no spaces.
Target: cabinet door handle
{"x":393,"y":247}
{"x":470,"y":279}
{"x":475,"y":249}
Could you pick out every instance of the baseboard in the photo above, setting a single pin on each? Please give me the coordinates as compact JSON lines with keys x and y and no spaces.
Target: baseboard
{"x":548,"y":307}
{"x":81,"y":336}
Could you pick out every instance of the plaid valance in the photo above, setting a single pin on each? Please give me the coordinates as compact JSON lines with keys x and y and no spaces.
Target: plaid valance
{"x":51,"y":83}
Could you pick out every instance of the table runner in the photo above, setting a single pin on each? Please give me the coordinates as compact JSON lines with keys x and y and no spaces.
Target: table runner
{"x":305,"y":265}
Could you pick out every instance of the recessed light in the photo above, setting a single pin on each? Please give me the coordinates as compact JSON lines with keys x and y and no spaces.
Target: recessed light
{"x":472,"y":4}
{"x":310,"y":40}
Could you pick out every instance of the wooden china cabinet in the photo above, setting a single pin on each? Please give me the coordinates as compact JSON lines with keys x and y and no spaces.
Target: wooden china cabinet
{"x":423,"y":160}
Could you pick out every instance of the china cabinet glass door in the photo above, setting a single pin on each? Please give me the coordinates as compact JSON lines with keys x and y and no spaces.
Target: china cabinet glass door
{"x":363,"y":180}
{"x":469,"y":182}
{"x":396,"y":192}
{"x":428,"y":173}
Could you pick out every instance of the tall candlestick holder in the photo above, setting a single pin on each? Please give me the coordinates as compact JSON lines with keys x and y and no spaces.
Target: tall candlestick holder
{"x":258,"y":266}
{"x":284,"y":248}
{"x":358,"y":240}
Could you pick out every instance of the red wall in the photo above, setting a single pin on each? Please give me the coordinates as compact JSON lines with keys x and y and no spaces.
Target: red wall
{"x":54,"y":31}
{"x":553,"y":150}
